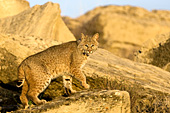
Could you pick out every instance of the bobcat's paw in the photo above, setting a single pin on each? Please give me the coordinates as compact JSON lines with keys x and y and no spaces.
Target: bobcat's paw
{"x":86,"y":86}
{"x":42,"y":102}
{"x":73,"y":91}
{"x":26,"y":106}
{"x":69,"y":91}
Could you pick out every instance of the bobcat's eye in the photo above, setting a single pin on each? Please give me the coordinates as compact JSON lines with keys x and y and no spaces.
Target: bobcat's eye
{"x":92,"y":45}
{"x":86,"y":45}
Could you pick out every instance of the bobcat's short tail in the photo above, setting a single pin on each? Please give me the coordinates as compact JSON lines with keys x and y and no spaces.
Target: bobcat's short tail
{"x":21,"y":76}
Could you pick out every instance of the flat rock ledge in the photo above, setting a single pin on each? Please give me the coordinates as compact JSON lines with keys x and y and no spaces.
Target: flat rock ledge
{"x":111,"y":101}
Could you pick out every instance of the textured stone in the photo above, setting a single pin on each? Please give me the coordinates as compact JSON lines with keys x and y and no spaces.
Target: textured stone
{"x":122,"y":29}
{"x":110,"y":101}
{"x":104,"y":64}
{"x":155,"y":51}
{"x":15,"y":48}
{"x":42,"y":21}
{"x":12,"y":7}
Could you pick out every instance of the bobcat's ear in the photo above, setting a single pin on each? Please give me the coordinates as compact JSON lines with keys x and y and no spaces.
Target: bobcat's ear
{"x":82,"y":36}
{"x":96,"y":36}
{"x":80,"y":39}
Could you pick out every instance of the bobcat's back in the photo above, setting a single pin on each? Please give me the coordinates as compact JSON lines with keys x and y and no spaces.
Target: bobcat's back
{"x":52,"y":60}
{"x":36,"y":72}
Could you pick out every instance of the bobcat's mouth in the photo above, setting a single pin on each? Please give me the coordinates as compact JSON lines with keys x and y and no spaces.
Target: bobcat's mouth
{"x":87,"y":52}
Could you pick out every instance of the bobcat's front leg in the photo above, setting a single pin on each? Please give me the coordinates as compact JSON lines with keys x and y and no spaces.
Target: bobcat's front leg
{"x":67,"y":81}
{"x":80,"y":76}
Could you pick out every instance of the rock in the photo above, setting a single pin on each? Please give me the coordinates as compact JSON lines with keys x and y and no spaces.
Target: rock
{"x":8,"y":66}
{"x":74,"y":26}
{"x":12,"y":7}
{"x":41,"y":21}
{"x":122,"y":29}
{"x":101,"y":64}
{"x":112,"y":101}
{"x":15,"y":48}
{"x":8,"y":99}
{"x":155,"y":51}
{"x":167,"y":67}
{"x":104,"y":64}
{"x":146,"y":84}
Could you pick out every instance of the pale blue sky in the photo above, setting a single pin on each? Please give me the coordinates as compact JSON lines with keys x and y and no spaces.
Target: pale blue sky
{"x":75,"y":8}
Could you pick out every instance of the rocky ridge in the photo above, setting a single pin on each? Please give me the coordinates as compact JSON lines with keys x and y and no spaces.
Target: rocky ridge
{"x":15,"y":48}
{"x":42,"y":21}
{"x":155,"y":51}
{"x":109,"y":67}
{"x":123,"y":29}
{"x":12,"y":7}
{"x":104,"y":64}
{"x":93,"y":101}
{"x":147,"y":85}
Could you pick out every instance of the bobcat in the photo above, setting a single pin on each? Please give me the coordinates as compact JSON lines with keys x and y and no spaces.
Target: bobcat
{"x":36,"y":72}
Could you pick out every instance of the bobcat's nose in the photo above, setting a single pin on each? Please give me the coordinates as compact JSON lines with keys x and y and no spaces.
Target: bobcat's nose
{"x":90,"y":51}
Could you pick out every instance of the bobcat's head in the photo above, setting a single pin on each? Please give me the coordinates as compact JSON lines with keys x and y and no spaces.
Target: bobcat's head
{"x":87,"y":45}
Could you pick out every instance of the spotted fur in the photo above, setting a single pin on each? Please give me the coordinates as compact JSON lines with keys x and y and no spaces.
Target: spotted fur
{"x":36,"y":72}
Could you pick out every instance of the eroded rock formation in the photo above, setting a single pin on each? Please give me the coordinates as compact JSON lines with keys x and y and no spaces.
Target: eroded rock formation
{"x":12,"y":7}
{"x":123,"y":29}
{"x":155,"y":51}
{"x":15,"y":48}
{"x":42,"y":21}
{"x":112,"y":101}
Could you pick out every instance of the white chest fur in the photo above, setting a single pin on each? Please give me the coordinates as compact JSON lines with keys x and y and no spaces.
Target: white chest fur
{"x":84,"y":62}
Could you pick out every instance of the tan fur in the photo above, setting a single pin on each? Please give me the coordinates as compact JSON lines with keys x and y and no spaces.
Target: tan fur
{"x":36,"y":72}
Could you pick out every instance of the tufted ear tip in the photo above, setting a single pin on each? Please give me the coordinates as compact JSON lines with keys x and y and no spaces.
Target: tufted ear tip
{"x":96,"y":36}
{"x":82,"y":35}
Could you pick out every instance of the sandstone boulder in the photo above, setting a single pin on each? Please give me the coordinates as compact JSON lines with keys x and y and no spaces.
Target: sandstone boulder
{"x":111,"y":101}
{"x":101,"y":64}
{"x":122,"y":29}
{"x":42,"y":21}
{"x":155,"y":51}
{"x":103,"y":67}
{"x":15,"y":48}
{"x":167,"y":67}
{"x":147,"y":85}
{"x":12,"y":7}
{"x":104,"y":64}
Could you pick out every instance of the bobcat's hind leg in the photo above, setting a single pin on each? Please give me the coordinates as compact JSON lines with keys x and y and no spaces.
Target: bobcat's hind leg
{"x":34,"y":97}
{"x":23,"y":97}
{"x":36,"y":89}
{"x":67,"y":81}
